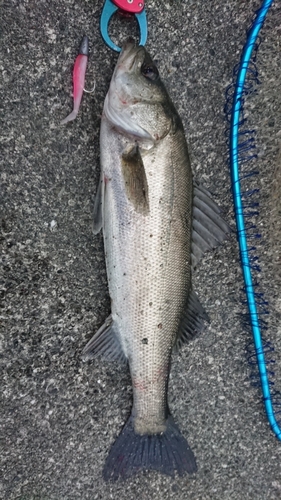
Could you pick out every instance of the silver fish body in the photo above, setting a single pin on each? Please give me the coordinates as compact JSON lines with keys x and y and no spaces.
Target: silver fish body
{"x":148,"y":263}
{"x":145,"y":205}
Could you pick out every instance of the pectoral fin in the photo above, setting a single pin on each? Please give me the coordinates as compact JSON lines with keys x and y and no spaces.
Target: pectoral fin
{"x":135,"y":180}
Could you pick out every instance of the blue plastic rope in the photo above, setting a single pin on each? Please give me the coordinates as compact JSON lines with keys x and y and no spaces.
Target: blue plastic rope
{"x":241,"y":230}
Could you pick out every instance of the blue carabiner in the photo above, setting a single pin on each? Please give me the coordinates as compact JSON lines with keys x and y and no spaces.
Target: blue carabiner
{"x":128,"y":6}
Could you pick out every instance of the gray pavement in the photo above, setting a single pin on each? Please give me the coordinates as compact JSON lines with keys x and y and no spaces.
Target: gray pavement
{"x":60,"y":416}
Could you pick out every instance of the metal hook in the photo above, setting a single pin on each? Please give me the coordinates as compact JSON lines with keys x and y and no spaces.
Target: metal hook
{"x":90,"y":91}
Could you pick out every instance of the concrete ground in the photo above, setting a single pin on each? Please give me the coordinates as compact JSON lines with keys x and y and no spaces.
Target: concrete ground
{"x":60,"y":416}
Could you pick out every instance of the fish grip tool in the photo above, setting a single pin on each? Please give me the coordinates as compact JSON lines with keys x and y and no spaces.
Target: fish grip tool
{"x":129,"y":7}
{"x":241,"y":149}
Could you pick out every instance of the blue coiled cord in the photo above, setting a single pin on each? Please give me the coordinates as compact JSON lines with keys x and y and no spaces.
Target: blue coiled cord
{"x":237,"y":198}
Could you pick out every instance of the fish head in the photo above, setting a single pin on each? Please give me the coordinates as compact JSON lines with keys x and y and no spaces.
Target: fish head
{"x":137,"y":103}
{"x":136,"y":76}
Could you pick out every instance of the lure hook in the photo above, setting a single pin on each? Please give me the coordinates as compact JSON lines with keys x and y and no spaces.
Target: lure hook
{"x":90,"y":91}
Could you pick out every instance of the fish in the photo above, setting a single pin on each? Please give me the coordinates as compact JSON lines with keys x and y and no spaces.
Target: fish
{"x":156,"y":223}
{"x":79,"y":72}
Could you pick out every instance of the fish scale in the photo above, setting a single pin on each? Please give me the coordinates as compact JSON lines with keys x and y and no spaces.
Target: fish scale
{"x":148,"y":291}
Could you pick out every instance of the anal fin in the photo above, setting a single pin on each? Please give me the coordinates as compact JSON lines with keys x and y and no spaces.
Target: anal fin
{"x":105,"y":343}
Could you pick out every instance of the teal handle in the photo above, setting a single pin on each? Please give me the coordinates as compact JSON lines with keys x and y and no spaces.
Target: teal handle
{"x":108,"y":11}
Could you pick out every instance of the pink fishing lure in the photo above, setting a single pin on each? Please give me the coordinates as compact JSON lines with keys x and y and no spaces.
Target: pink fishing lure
{"x":79,"y":72}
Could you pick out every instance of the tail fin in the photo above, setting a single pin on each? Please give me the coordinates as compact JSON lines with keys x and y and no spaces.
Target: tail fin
{"x":70,"y":117}
{"x":167,"y":453}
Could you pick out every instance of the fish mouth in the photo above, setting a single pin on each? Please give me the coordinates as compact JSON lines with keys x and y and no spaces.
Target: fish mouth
{"x":129,"y":43}
{"x":130,"y":53}
{"x":123,"y":93}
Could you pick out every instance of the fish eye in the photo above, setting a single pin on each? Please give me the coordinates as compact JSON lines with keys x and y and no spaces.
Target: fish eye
{"x":149,"y":71}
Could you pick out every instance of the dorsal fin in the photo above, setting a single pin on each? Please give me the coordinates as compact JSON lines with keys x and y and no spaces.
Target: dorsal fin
{"x":192,"y":321}
{"x":209,"y":228}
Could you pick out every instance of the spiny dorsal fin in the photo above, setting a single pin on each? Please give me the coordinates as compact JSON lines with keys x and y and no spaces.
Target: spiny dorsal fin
{"x":135,"y":180}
